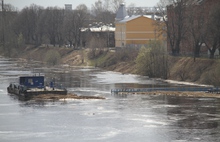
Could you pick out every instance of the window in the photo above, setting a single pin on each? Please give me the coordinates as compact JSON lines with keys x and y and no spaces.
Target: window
{"x":30,"y":81}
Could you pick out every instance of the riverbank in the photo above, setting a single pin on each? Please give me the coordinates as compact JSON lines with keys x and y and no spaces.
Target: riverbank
{"x":201,"y":71}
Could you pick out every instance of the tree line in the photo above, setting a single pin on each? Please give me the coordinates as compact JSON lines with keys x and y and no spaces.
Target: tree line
{"x":37,"y":25}
{"x":192,"y":22}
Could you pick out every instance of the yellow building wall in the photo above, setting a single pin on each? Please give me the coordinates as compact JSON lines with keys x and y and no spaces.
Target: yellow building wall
{"x":137,"y":31}
{"x":141,"y":30}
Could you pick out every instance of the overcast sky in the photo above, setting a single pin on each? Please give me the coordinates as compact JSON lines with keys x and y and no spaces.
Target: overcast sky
{"x":20,"y":4}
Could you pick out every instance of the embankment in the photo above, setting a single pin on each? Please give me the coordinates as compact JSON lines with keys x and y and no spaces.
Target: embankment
{"x":203,"y":70}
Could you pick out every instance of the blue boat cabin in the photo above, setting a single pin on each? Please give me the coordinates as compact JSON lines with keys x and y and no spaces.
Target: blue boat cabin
{"x":32,"y":81}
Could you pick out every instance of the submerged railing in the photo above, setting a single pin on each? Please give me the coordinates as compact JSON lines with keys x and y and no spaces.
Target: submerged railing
{"x":190,"y":89}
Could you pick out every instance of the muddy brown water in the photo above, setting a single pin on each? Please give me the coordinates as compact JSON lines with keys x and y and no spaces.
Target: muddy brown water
{"x":127,"y":118}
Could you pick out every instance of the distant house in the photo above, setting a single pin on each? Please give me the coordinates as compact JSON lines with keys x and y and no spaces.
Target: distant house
{"x":104,"y":32}
{"x":135,"y":30}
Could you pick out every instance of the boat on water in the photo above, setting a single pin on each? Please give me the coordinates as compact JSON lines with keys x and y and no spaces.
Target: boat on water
{"x":29,"y":86}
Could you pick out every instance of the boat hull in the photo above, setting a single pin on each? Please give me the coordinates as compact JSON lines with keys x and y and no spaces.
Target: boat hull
{"x":28,"y":94}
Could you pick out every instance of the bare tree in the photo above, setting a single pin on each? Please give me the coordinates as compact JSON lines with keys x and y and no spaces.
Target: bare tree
{"x":7,"y":37}
{"x":7,"y":7}
{"x":27,"y":24}
{"x":53,"y":17}
{"x":97,"y":8}
{"x":74,"y":21}
{"x":130,"y":10}
{"x":96,"y":46}
{"x":115,"y":4}
{"x":197,"y":27}
{"x":106,"y":5}
{"x":213,"y":38}
{"x":68,"y":30}
{"x":103,"y":11}
{"x":82,"y":15}
{"x":174,"y":17}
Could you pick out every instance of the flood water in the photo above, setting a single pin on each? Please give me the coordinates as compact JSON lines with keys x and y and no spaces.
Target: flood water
{"x":127,"y":118}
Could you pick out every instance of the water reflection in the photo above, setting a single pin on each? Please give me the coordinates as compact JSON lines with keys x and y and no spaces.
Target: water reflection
{"x":118,"y":118}
{"x":194,"y":113}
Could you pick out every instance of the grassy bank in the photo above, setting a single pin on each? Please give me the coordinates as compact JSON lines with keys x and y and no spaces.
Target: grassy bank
{"x":204,"y":71}
{"x":201,"y":70}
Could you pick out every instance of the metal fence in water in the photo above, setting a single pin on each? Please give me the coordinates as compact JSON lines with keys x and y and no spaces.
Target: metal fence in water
{"x":191,"y":89}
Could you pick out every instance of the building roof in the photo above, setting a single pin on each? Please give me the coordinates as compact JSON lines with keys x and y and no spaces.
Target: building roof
{"x":129,"y":18}
{"x":121,"y":13}
{"x":153,"y":17}
{"x":103,"y":28}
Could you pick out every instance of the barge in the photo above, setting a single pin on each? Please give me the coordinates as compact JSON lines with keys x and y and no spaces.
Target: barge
{"x":30,"y":86}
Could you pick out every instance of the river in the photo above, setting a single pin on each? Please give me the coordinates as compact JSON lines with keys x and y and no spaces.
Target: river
{"x":127,"y":118}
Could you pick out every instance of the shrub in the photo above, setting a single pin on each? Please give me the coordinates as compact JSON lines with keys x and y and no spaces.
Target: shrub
{"x":152,"y":61}
{"x":52,"y":57}
{"x":96,"y":47}
{"x":126,"y":54}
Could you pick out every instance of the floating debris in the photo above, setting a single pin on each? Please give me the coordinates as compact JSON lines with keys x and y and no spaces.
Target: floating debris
{"x":56,"y":97}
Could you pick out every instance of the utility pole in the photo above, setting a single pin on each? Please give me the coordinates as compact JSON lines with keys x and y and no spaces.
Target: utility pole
{"x":3,"y":25}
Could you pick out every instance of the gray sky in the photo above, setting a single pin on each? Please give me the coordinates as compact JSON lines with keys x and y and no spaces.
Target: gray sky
{"x":60,"y":3}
